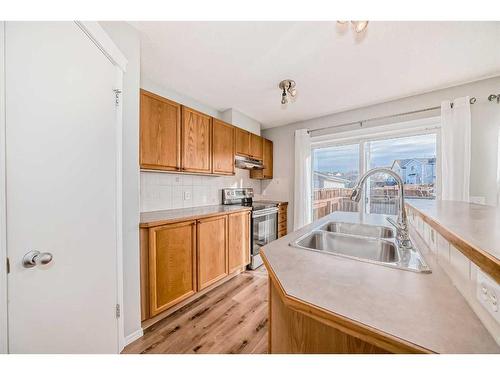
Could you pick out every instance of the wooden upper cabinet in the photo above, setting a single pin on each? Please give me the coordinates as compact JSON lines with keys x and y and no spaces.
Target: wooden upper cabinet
{"x":238,"y":240}
{"x":242,"y":142}
{"x":212,"y":250}
{"x":256,"y":146}
{"x":223,"y":144}
{"x":196,"y":141}
{"x":268,"y":159}
{"x":267,"y":172}
{"x":172,"y":259}
{"x":160,"y":132}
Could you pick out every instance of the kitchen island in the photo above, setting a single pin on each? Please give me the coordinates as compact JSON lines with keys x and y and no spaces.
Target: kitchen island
{"x":322,"y":303}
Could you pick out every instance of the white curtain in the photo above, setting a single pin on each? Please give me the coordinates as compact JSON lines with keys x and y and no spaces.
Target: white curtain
{"x":302,"y":210}
{"x":455,"y":149}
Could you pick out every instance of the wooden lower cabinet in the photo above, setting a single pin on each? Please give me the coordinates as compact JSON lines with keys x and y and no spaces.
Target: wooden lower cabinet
{"x":172,"y":255}
{"x":212,"y":250}
{"x":238,"y":240}
{"x":294,"y":332}
{"x":182,"y":260}
{"x":282,"y":219}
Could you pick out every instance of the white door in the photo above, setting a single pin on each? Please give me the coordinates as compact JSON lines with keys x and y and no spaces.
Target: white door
{"x":61,"y":149}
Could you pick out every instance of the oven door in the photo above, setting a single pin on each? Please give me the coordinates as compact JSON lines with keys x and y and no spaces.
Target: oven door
{"x":264,"y":228}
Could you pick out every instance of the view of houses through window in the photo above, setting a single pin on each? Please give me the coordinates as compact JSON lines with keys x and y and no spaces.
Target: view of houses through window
{"x":336,"y":169}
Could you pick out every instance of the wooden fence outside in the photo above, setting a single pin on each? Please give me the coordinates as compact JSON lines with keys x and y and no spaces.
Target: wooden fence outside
{"x":384,"y":200}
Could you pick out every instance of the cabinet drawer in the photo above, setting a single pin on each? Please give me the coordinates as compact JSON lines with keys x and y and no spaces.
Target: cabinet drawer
{"x":281,"y":226}
{"x":281,"y":217}
{"x":282,"y":209}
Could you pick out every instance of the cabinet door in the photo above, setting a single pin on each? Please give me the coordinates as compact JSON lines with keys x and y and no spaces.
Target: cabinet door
{"x":223,"y":147}
{"x":242,"y":142}
{"x":212,"y":250}
{"x":256,"y":146}
{"x":238,"y":240}
{"x":160,"y":134}
{"x":268,"y":159}
{"x":196,"y":141}
{"x":267,"y":172}
{"x":172,"y":258}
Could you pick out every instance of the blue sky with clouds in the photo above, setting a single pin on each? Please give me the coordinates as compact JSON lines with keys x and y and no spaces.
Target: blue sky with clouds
{"x":383,"y":153}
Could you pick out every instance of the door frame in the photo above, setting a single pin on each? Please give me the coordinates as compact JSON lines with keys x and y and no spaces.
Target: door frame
{"x":100,"y":38}
{"x":4,"y":321}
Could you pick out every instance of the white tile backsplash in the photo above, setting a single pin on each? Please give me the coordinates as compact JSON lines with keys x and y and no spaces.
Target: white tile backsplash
{"x":163,"y":191}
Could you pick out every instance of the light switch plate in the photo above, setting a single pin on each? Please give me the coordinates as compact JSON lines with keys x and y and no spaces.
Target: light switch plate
{"x":488,"y":293}
{"x":187,"y":195}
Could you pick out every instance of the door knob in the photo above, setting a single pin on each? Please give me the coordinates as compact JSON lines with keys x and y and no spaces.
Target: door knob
{"x":35,"y":258}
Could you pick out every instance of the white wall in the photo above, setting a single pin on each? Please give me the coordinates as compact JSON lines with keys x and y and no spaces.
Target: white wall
{"x":153,"y":87}
{"x":231,"y":115}
{"x":241,"y":120}
{"x":485,"y":135}
{"x":127,"y":40}
{"x":164,"y":191}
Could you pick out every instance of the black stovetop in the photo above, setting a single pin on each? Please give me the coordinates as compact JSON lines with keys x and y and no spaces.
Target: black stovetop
{"x":256,"y":205}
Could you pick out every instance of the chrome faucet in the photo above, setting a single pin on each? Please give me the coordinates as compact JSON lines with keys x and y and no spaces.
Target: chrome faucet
{"x":402,"y":234}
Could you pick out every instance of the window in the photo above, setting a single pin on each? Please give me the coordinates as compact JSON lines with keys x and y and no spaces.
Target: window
{"x":335,"y":171}
{"x":337,"y":167}
{"x":413,"y":158}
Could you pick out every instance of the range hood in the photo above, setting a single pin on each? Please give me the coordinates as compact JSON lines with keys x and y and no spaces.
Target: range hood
{"x":245,"y":162}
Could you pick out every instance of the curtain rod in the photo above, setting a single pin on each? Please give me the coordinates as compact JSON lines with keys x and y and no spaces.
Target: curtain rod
{"x":360,"y":122}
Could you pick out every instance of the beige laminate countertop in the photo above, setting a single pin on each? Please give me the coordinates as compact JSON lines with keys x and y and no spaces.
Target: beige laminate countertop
{"x":422,"y":309}
{"x":155,"y":218}
{"x":476,"y":225}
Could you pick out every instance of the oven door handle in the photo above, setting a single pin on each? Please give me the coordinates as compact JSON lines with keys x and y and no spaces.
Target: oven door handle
{"x":267,"y":211}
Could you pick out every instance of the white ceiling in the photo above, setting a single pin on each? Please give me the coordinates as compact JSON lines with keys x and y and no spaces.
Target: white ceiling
{"x":239,"y":64}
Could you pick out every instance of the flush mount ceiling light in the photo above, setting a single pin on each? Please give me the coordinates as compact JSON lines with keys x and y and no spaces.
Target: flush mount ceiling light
{"x":358,"y":26}
{"x":288,"y":89}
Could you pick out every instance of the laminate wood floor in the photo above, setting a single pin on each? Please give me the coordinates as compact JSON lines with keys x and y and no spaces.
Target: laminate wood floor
{"x":233,"y":318}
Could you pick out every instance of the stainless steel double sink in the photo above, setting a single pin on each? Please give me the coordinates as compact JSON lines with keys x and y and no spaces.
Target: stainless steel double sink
{"x":367,"y":243}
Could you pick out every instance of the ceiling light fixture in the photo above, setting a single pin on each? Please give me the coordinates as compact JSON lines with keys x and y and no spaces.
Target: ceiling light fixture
{"x":288,"y":90}
{"x":358,"y":26}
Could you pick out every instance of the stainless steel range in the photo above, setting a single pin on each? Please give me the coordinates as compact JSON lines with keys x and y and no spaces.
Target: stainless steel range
{"x":264,"y":226}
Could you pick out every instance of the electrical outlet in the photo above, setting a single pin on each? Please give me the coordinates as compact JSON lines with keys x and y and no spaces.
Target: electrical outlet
{"x":488,"y":293}
{"x":187,"y":195}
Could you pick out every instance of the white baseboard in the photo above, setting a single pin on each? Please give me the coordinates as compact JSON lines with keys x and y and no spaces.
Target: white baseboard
{"x":133,"y":336}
